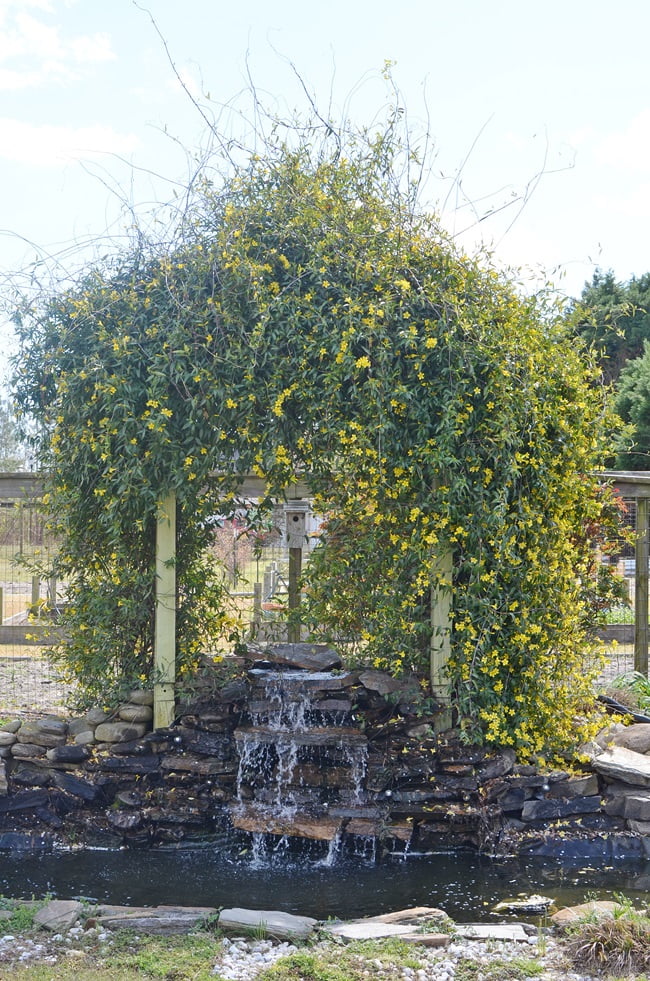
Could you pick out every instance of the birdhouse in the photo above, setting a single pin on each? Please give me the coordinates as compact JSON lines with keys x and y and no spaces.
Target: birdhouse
{"x":295,"y":518}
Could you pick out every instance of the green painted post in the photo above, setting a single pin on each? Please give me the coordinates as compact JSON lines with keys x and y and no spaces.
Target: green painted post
{"x":165,"y":627}
{"x":295,"y":572}
{"x":441,"y":600}
{"x":641,"y":588}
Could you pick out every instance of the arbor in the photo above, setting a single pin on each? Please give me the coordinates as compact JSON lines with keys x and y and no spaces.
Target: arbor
{"x":309,"y":318}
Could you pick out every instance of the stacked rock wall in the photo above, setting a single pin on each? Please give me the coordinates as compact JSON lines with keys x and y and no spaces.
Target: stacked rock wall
{"x":108,"y":779}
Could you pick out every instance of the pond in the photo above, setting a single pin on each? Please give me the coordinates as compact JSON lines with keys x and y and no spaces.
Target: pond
{"x":462,"y":883}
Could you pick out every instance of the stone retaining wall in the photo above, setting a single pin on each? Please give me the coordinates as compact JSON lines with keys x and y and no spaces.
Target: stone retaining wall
{"x":108,"y":779}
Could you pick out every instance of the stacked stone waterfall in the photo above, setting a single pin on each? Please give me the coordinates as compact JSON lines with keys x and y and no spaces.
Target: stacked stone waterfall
{"x":302,"y":756}
{"x":283,"y":741}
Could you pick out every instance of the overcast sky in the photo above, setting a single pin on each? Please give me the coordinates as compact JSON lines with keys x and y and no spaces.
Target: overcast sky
{"x":547,"y":103}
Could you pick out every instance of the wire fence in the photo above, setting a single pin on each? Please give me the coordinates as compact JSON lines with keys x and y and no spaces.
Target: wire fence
{"x":256,"y":568}
{"x":257,"y":571}
{"x":28,"y":601}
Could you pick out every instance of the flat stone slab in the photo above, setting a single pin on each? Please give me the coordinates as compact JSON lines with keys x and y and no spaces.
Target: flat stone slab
{"x":160,"y":920}
{"x":413,"y":916}
{"x":310,"y":657}
{"x":251,"y":818}
{"x":285,"y":926}
{"x":368,"y":930}
{"x":491,"y":931}
{"x":58,"y":915}
{"x":400,"y":923}
{"x":623,"y":764}
{"x":302,"y":680}
{"x":427,"y":939}
{"x":337,"y":736}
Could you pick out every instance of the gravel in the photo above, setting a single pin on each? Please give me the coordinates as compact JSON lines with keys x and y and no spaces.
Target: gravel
{"x":243,"y":959}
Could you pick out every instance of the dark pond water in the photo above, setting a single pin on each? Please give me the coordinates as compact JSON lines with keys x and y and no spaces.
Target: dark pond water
{"x":464,"y":884}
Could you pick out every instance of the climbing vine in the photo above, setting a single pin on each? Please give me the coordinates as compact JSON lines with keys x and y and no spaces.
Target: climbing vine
{"x":309,"y":320}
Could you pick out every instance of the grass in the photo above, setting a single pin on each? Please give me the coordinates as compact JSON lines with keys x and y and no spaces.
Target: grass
{"x":616,"y":945}
{"x":126,"y":958}
{"x":637,"y":685}
{"x":192,"y":958}
{"x":22,"y":915}
{"x":619,"y":614}
{"x":498,"y":969}
{"x":352,"y":962}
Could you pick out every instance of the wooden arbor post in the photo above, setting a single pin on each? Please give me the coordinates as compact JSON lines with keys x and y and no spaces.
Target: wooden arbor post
{"x":441,"y":600}
{"x":295,"y":514}
{"x":164,"y":661}
{"x":641,"y":588}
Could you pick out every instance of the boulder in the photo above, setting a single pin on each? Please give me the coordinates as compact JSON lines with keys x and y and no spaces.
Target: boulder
{"x":619,"y":763}
{"x":68,"y":754}
{"x":40,"y":734}
{"x":27,"y":751}
{"x":85,"y":737}
{"x":51,"y":724}
{"x":634,"y":737}
{"x":76,"y":726}
{"x":595,"y":909}
{"x":124,"y":820}
{"x":379,"y":681}
{"x":95,"y":716}
{"x":135,"y":713}
{"x":283,"y":926}
{"x":141,"y":696}
{"x":58,"y":915}
{"x":640,"y":828}
{"x":119,"y":732}
{"x":636,"y":807}
{"x":12,"y":726}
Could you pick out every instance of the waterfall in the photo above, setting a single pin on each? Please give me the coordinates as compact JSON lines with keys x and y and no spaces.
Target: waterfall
{"x":302,"y":758}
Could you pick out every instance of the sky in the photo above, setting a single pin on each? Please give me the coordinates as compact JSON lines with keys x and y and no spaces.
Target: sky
{"x":538,"y":115}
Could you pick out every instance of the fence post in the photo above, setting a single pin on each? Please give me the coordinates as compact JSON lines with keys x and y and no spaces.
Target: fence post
{"x":641,"y":588}
{"x":164,"y":660}
{"x":257,"y":603}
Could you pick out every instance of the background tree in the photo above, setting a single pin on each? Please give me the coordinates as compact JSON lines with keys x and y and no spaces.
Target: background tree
{"x":632,"y":403}
{"x":308,"y":318}
{"x":13,"y":451}
{"x":614,"y":318}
